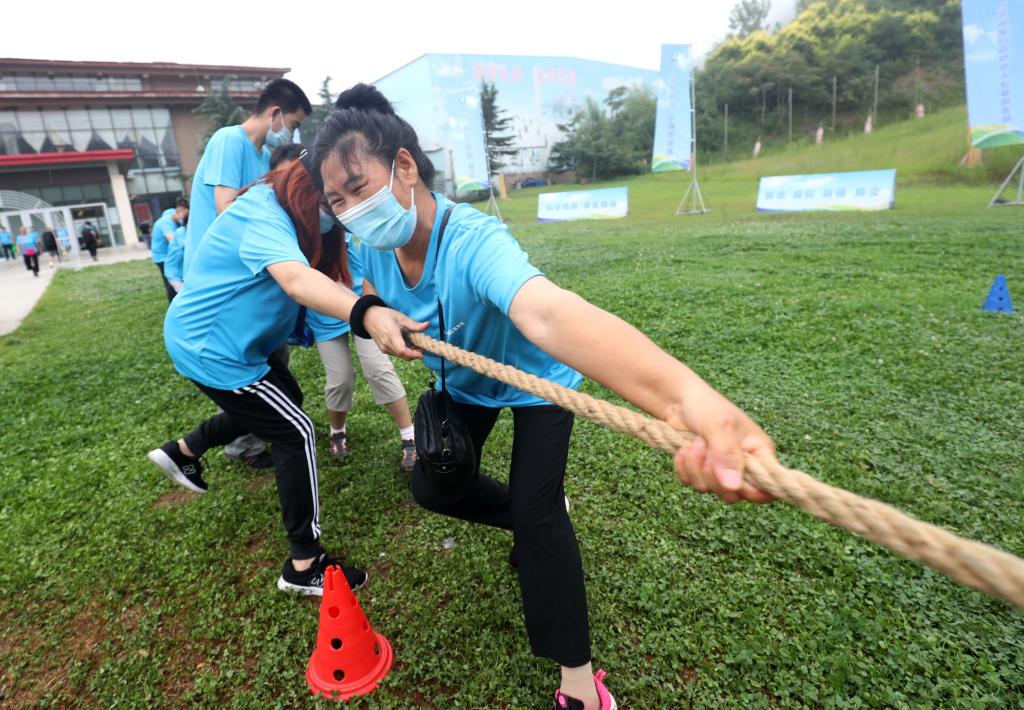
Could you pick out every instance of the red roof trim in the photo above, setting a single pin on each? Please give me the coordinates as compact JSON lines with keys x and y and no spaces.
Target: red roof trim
{"x":162,"y":67}
{"x":113,"y":95}
{"x":85,"y":156}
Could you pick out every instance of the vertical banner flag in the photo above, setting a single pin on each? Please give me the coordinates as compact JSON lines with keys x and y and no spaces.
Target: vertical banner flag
{"x":461,"y":123}
{"x":994,"y":64}
{"x":672,"y":136}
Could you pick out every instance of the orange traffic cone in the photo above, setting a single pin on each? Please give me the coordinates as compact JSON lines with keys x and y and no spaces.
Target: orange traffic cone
{"x":350,"y":658}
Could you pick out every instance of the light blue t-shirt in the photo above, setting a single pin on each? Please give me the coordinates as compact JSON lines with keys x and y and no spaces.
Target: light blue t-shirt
{"x":328,"y":328}
{"x":28,"y":241}
{"x":175,"y":251}
{"x":231,"y":314}
{"x":62,"y":235}
{"x":230,"y":159}
{"x":161,"y":229}
{"x":480,"y":269}
{"x":5,"y":237}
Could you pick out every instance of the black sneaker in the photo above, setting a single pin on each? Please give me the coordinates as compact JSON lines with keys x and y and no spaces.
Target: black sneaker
{"x":178,"y":467}
{"x":311,"y":581}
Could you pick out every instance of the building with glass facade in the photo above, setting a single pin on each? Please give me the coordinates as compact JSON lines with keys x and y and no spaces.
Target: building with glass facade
{"x":114,"y":142}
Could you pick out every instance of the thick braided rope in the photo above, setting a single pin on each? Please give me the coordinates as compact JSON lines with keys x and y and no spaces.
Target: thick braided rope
{"x":974,"y":564}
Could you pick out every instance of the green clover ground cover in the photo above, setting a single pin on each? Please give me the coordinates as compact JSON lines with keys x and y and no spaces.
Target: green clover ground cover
{"x":856,"y":340}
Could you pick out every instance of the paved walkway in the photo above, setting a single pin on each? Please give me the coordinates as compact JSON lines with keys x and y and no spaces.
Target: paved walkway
{"x":20,"y":290}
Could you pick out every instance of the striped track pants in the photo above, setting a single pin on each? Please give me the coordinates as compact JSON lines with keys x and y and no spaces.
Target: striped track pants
{"x":271,"y":409}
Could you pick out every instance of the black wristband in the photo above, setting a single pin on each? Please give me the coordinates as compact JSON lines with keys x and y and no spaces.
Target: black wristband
{"x":355,"y":318}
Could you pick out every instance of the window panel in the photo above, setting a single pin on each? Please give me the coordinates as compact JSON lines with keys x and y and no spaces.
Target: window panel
{"x":141,"y":117}
{"x":161,"y":118}
{"x":122,"y":118}
{"x":100,"y":117}
{"x":81,"y":139}
{"x":170,"y":151}
{"x":78,"y":119}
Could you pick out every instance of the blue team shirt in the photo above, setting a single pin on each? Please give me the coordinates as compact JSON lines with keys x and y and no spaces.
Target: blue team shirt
{"x":5,"y":237}
{"x":29,"y":241}
{"x":230,"y":159}
{"x":175,"y":252}
{"x":161,"y":228}
{"x":480,"y":269}
{"x":326,"y":327}
{"x":231,"y":314}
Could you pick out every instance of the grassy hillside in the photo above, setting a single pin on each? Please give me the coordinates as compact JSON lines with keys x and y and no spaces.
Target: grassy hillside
{"x":926,"y":154}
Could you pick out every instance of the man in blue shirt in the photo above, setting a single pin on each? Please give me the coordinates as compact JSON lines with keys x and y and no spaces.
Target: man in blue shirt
{"x":234,"y":157}
{"x":163,"y":232}
{"x":7,"y":243}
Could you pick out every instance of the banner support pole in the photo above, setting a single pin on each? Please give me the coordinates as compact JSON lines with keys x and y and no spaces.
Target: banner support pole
{"x":693,"y":201}
{"x":1018,"y":168}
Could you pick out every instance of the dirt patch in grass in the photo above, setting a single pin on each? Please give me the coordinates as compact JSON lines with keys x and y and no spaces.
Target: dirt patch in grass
{"x":86,"y":631}
{"x":175,"y":496}
{"x":258,"y":482}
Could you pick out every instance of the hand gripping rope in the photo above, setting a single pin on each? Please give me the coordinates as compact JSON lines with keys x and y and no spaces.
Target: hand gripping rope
{"x":974,"y":564}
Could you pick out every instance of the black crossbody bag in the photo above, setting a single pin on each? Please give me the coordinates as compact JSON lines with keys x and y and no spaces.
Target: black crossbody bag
{"x":443,"y":446}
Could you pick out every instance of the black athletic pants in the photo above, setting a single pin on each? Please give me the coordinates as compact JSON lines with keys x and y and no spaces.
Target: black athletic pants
{"x":32,"y":263}
{"x":171,"y":293}
{"x":8,"y":252}
{"x":532,"y":506}
{"x":271,"y":409}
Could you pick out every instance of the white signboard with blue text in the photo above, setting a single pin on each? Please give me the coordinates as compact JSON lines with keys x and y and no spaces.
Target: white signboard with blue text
{"x":609,"y":203}
{"x":834,"y":192}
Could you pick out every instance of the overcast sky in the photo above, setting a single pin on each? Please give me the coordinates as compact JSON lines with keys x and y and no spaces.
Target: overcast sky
{"x":355,"y":40}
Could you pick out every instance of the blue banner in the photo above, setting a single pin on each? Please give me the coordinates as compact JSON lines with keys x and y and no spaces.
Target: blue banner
{"x":835,"y":192}
{"x":672,"y":136}
{"x":608,"y":203}
{"x":994,"y":64}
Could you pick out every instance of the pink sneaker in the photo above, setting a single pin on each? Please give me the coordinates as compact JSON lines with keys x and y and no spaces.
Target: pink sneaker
{"x":564,"y":702}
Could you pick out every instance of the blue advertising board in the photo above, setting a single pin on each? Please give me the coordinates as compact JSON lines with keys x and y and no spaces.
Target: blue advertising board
{"x":834,"y":192}
{"x":608,"y":203}
{"x":672,"y":130}
{"x":994,"y":65}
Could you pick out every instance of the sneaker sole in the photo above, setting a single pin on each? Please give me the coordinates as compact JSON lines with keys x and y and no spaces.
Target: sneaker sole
{"x":166,"y":464}
{"x":286,"y":586}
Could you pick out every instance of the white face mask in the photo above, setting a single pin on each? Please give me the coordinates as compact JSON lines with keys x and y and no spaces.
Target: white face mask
{"x":279,"y":137}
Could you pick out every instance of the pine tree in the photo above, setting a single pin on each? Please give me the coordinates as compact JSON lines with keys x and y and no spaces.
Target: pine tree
{"x":320,"y":113}
{"x":749,"y":16}
{"x":496,"y":123}
{"x":220,"y":110}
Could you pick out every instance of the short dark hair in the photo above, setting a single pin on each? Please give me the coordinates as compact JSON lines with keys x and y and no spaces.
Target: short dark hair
{"x":363,"y":117}
{"x":181,"y":202}
{"x":289,"y":151}
{"x":283,"y":93}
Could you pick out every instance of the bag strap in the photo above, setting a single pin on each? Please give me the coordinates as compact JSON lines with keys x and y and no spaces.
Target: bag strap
{"x":440,"y":309}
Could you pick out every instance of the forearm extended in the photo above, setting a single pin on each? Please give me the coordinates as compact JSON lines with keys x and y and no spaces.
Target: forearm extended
{"x":605,"y":348}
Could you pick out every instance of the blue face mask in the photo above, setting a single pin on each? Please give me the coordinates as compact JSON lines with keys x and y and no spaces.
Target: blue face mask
{"x":326,"y":222}
{"x":278,"y":138}
{"x":380,"y":221}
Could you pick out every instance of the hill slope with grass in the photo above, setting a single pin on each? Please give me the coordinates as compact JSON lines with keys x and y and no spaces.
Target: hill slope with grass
{"x":926,"y":153}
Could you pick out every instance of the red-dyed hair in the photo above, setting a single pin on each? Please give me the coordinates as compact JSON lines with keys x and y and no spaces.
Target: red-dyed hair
{"x":299,"y":197}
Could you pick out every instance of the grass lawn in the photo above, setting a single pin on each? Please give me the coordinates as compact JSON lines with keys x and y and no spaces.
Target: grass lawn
{"x":856,"y":340}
